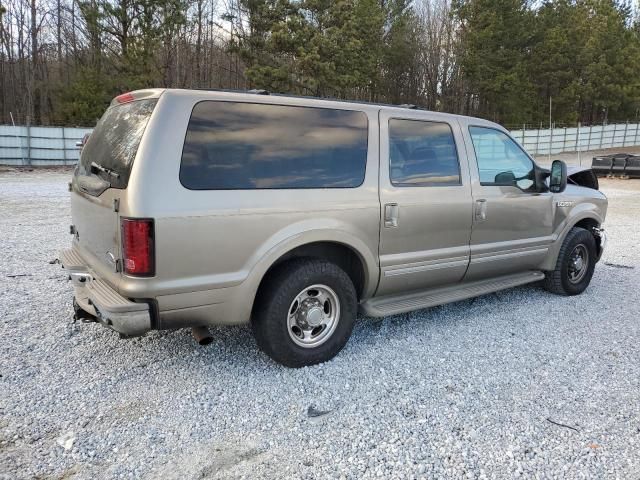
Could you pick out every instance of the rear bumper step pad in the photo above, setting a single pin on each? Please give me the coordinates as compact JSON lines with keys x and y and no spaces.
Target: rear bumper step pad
{"x":99,"y":299}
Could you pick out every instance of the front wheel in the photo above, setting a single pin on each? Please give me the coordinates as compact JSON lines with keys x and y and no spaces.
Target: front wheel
{"x":575,"y":264}
{"x":304,"y":312}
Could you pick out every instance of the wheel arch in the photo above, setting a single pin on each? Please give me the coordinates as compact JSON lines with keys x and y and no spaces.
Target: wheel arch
{"x":588,"y":223}
{"x":345,"y":249}
{"x":344,"y":256}
{"x":587,"y":220}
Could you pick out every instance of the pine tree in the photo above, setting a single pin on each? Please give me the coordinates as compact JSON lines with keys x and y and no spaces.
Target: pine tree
{"x":496,"y":39}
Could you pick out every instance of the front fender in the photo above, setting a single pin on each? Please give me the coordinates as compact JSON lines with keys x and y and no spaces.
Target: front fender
{"x":565,"y":218}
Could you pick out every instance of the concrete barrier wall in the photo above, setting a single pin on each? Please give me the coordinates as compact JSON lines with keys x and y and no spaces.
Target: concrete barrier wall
{"x":22,"y":145}
{"x":582,"y":139}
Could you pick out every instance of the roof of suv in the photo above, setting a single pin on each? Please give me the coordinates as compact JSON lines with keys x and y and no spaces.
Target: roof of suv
{"x":263,"y":96}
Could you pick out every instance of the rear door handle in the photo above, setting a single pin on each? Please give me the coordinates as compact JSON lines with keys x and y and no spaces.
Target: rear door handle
{"x":481,"y":210}
{"x":391,"y":213}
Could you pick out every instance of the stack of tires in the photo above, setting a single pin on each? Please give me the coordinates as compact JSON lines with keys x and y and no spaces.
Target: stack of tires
{"x":617,"y":164}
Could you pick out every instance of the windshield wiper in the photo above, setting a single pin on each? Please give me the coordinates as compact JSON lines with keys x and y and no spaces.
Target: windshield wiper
{"x":100,"y":168}
{"x":92,"y":185}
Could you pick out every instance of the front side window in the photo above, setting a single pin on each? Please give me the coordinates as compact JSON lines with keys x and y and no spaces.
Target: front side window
{"x":232,"y":145}
{"x":500,"y":160}
{"x":422,"y":154}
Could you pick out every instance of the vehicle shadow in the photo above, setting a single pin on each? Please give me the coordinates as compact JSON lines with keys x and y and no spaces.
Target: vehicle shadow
{"x":235,"y":347}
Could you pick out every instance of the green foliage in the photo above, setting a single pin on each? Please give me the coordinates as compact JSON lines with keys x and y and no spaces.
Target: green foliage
{"x":496,"y":36}
{"x":85,"y":100}
{"x":581,"y":53}
{"x":135,"y":29}
{"x":316,"y":47}
{"x":399,"y":54}
{"x":587,"y":59}
{"x":498,"y":59}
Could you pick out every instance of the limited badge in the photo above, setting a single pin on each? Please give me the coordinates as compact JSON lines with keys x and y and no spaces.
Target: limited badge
{"x":565,"y":204}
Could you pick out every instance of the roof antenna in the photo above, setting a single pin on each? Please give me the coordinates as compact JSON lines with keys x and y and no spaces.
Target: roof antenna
{"x":258,"y":91}
{"x":408,"y":105}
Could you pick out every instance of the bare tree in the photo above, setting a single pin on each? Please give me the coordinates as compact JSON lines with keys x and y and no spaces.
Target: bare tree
{"x":438,"y":54}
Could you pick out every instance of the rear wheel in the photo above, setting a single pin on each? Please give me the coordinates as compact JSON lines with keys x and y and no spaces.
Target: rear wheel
{"x":575,"y":264}
{"x":304,"y":312}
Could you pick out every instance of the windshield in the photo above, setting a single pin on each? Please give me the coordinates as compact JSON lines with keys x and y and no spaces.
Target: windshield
{"x":113,"y":144}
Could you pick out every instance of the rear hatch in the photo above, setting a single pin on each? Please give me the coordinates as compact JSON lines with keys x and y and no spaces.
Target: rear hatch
{"x":102,"y":176}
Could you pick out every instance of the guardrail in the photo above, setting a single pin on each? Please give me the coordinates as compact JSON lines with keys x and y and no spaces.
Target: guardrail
{"x":22,"y":145}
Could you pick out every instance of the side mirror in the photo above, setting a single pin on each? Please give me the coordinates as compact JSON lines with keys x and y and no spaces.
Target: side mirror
{"x":558,"y":176}
{"x":505,"y":179}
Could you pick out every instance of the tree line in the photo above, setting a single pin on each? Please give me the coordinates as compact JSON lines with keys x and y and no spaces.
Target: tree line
{"x":62,"y":61}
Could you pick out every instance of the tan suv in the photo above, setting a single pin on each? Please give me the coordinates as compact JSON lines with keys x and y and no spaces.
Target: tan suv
{"x":195,"y":208}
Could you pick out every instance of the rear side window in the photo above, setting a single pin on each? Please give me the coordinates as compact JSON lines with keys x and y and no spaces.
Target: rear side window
{"x":231,"y":145}
{"x":114,"y":142}
{"x":422,"y":154}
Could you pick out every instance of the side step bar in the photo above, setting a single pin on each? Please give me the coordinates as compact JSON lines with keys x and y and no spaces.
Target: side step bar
{"x":394,"y":304}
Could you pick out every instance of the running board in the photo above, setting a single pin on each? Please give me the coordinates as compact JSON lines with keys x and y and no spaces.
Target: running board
{"x":394,"y":304}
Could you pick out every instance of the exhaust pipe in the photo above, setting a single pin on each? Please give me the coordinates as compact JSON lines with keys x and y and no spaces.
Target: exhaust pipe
{"x":202,"y":335}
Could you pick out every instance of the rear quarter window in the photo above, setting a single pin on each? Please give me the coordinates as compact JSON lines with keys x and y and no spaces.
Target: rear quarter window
{"x":233,"y":145}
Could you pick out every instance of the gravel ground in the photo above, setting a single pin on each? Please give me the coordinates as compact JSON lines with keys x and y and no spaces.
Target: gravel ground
{"x":518,"y":383}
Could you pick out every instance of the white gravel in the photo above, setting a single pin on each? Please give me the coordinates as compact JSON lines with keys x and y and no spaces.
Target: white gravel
{"x":465,"y":390}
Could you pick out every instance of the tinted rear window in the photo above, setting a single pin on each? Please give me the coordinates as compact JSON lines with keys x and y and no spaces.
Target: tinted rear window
{"x":114,"y":142}
{"x":231,"y":145}
{"x":422,"y":154}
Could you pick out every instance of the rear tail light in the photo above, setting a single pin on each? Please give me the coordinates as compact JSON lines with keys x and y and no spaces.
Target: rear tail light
{"x":138,"y":246}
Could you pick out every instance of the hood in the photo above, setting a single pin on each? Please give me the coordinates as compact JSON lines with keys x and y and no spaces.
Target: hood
{"x":583,"y":176}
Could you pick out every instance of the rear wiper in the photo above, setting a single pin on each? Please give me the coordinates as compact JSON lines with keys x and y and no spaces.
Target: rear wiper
{"x":95,"y":167}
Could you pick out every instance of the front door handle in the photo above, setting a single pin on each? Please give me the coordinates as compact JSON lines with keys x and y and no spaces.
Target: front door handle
{"x":481,"y":210}
{"x":391,"y":212}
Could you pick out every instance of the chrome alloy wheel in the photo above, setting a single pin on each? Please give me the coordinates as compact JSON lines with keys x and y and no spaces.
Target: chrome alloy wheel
{"x":313,"y":316}
{"x":578,"y":263}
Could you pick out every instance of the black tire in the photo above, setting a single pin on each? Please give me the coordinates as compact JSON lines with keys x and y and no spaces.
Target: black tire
{"x":560,"y":281}
{"x":271,"y":311}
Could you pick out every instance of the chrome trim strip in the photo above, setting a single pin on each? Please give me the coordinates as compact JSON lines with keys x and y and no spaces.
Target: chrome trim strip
{"x":424,"y":257}
{"x":488,"y":249}
{"x":426,"y":267}
{"x":504,"y":256}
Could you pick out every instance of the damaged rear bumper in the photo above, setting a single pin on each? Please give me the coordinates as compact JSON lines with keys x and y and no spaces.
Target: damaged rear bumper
{"x":101,"y":301}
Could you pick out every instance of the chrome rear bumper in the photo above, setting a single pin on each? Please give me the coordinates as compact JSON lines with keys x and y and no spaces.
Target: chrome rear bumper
{"x":100,"y":300}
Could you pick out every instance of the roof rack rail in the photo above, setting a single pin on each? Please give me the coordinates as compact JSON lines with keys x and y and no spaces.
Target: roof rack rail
{"x":258,"y":91}
{"x":408,"y":105}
